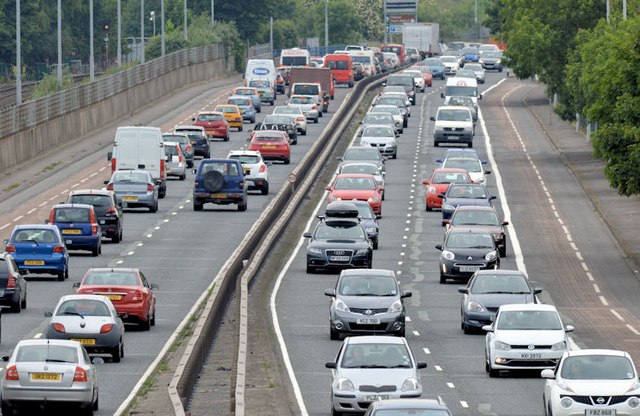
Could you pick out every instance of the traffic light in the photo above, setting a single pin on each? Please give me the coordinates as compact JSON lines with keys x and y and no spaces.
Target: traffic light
{"x":106,"y":25}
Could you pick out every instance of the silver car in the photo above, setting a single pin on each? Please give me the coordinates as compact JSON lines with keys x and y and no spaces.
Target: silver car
{"x":478,"y":70}
{"x":301,"y":119}
{"x":398,"y":118}
{"x":175,"y":163}
{"x":134,"y":189}
{"x":307,"y":104}
{"x":43,"y":370}
{"x":379,"y":119}
{"x":183,"y":140}
{"x":382,"y":138}
{"x":371,"y":368}
{"x":92,"y":320}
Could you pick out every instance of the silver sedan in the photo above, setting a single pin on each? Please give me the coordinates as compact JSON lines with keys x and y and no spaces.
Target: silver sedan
{"x":134,"y":189}
{"x":43,"y":370}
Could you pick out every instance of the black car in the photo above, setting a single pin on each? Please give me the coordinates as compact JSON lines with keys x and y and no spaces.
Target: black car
{"x":431,"y":407}
{"x":368,"y":220}
{"x":338,"y":243}
{"x":465,"y":251}
{"x":13,"y":286}
{"x":462,"y":194}
{"x":487,"y":290}
{"x":484,"y":218}
{"x":200,"y":144}
{"x":108,"y":211}
{"x":282,"y":123}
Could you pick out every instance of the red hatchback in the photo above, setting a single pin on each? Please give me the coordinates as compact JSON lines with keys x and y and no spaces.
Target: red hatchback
{"x":427,"y":75}
{"x":214,"y":123}
{"x":129,"y":291}
{"x":439,"y":183}
{"x":272,"y":144}
{"x":357,"y":186}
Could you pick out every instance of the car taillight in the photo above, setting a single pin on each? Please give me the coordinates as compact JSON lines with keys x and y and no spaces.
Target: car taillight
{"x":58,"y":327}
{"x":112,"y":211}
{"x":299,"y":118}
{"x":80,"y":375}
{"x":94,"y":229}
{"x":263,"y":168}
{"x":106,"y":328}
{"x":162,"y":169}
{"x":113,"y":165}
{"x":110,"y":187}
{"x":315,"y":107}
{"x":149,"y":187}
{"x":11,"y":373}
{"x":137,"y":296}
{"x":58,"y":249}
{"x":11,"y":282}
{"x":188,"y":147}
{"x":196,"y":184}
{"x":10,"y":249}
{"x":51,"y":216}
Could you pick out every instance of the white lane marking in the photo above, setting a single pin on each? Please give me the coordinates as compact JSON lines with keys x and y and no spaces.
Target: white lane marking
{"x":399,"y":263}
{"x":140,"y":244}
{"x":579,"y":256}
{"x":451,"y":385}
{"x":590,"y":276}
{"x":437,"y":367}
{"x":426,"y":351}
{"x":617,"y":315}
{"x":93,"y":174}
{"x":156,"y":227}
{"x":584,"y":266}
{"x":408,"y":319}
{"x":573,"y":246}
{"x":31,"y":211}
{"x":604,"y":301}
{"x":596,"y":288}
{"x":18,"y":218}
{"x":4,"y":226}
{"x":632,"y":329}
{"x":38,"y":335}
{"x":102,"y":168}
{"x":53,"y":197}
{"x":166,"y":220}
{"x":149,"y":235}
{"x":43,"y":204}
{"x":464,"y":404}
{"x":119,"y":261}
{"x":416,"y":333}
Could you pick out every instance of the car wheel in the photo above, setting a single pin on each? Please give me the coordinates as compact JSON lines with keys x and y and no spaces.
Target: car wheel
{"x":240,"y":128}
{"x":470,"y":144}
{"x":503,"y":250}
{"x":429,"y":209}
{"x":334,"y":335}
{"x":197,"y":205}
{"x":436,"y":144}
{"x":405,"y":123}
{"x":320,"y":114}
{"x":242,"y":205}
{"x":189,"y":164}
{"x":95,"y":251}
{"x":315,"y":120}
{"x":183,"y":176}
{"x":23,"y":303}
{"x":6,"y":409}
{"x":443,"y":279}
{"x":96,"y":404}
{"x":466,"y":329}
{"x":153,"y":318}
{"x":116,"y":352}
{"x":213,"y":181}
{"x":350,"y":85}
{"x":375,"y":244}
{"x":494,"y":373}
{"x":117,"y":237}
{"x":287,"y":161}
{"x":334,"y":412}
{"x":146,"y":325}
{"x":295,"y":141}
{"x":265,"y":189}
{"x":402,"y":332}
{"x":15,"y":307}
{"x":304,"y":132}
{"x":394,"y":156}
{"x":311,"y":269}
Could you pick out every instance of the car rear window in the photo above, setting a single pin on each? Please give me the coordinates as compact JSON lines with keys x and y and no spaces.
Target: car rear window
{"x":95,"y":200}
{"x":119,"y":278}
{"x":39,"y":236}
{"x":133,"y":177}
{"x":268,"y":137}
{"x":249,"y":159}
{"x":210,"y":117}
{"x":355,"y":184}
{"x":170,"y":151}
{"x":84,"y":307}
{"x":307,"y":89}
{"x":69,"y":215}
{"x":338,"y":64}
{"x":47,"y":353}
{"x":222,"y":167}
{"x":4,"y":269}
{"x":178,"y":138}
{"x":239,"y":101}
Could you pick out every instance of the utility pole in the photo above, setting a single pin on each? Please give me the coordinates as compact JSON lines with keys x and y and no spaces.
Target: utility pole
{"x":162,"y":28}
{"x":92,"y":68}
{"x":18,"y":56}
{"x":141,"y":31}
{"x":271,"y":34}
{"x":119,"y":52}
{"x":59,"y":69}
{"x":326,"y":26}
{"x":213,"y":20}
{"x":386,"y":21}
{"x":184,"y":23}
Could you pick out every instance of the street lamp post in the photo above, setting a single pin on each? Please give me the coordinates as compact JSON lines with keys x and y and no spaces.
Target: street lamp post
{"x":119,"y":46}
{"x":213,"y":20}
{"x":162,"y":28}
{"x":153,"y":20}
{"x":92,"y":68}
{"x":59,"y":69}
{"x":184,"y":23}
{"x":141,"y":31}
{"x":326,"y":26}
{"x":18,"y":56}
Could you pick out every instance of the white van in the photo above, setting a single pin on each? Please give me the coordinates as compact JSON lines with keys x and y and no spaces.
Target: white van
{"x":462,"y":87}
{"x":142,"y":148}
{"x":366,"y":58}
{"x":260,"y":69}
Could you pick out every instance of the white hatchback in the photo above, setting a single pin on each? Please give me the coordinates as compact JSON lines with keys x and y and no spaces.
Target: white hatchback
{"x":255,"y":169}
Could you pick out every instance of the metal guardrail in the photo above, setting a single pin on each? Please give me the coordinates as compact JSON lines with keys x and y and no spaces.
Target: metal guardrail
{"x":22,"y":117}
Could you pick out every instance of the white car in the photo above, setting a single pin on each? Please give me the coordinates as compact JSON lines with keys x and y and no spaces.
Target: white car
{"x":417,"y":78}
{"x":592,"y":382}
{"x":451,"y":64}
{"x":525,"y":337}
{"x":472,"y":165}
{"x":371,"y":368}
{"x":382,"y":138}
{"x":46,"y":370}
{"x":255,"y":169}
{"x":308,"y":105}
{"x":478,"y":70}
{"x":175,"y":163}
{"x":301,"y":119}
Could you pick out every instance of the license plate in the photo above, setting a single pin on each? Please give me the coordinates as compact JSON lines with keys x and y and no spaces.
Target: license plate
{"x":129,"y":198}
{"x":218,"y":195}
{"x":531,"y":355}
{"x":247,"y":170}
{"x":71,"y":231}
{"x":453,"y":137}
{"x":268,"y":147}
{"x":600,"y":412}
{"x":34,"y":262}
{"x":368,"y":321}
{"x":374,"y":397}
{"x":469,"y":268}
{"x":338,"y":258}
{"x":168,"y":169}
{"x":114,"y":297}
{"x":85,"y":341}
{"x":46,"y":376}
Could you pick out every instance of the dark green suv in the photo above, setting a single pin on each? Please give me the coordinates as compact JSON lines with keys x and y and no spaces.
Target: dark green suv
{"x":219,"y":181}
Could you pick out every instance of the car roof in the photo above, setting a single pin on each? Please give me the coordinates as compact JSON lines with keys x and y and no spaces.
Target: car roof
{"x":91,"y":191}
{"x":528,"y":307}
{"x":83,"y":206}
{"x":113,"y":269}
{"x":36,"y":227}
{"x":355,"y":175}
{"x":375,"y":272}
{"x":100,"y":298}
{"x":453,"y":107}
{"x":170,"y":144}
{"x":500,"y":272}
{"x":45,"y":341}
{"x":146,"y":172}
{"x":597,"y":351}
{"x":375,"y":339}
{"x":426,"y":404}
{"x":452,"y":170}
{"x":475,"y":208}
{"x":191,"y":127}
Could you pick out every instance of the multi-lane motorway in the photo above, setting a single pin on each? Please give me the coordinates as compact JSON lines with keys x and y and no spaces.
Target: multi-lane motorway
{"x":555,"y":235}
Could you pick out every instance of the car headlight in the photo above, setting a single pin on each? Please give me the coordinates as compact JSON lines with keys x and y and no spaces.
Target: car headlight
{"x":566,"y":402}
{"x":371,"y":230}
{"x":410,"y":384}
{"x":396,"y":307}
{"x":490,"y":256}
{"x":448,"y":255}
{"x":344,"y":384}
{"x":341,"y":306}
{"x":431,"y":190}
{"x":559,"y":346}
{"x":374,"y":199}
{"x":475,"y":307}
{"x":315,"y":250}
{"x":633,"y":402}
{"x":448,"y":207}
{"x":362,"y":251}
{"x":502,"y":346}
{"x":498,"y":62}
{"x":338,"y":198}
{"x":480,"y":61}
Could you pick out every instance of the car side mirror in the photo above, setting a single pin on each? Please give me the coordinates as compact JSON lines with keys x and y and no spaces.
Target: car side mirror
{"x":339,"y":158}
{"x":48,"y":314}
{"x":406,"y":294}
{"x":330,"y":364}
{"x":194,"y":170}
{"x":439,"y":161}
{"x":106,"y":182}
{"x":441,"y":196}
{"x":109,"y":155}
{"x":306,"y":235}
{"x":537,"y":291}
{"x":547,"y":373}
{"x":330,"y":292}
{"x":421,"y":365}
{"x":4,"y":358}
{"x":247,"y":173}
{"x":487,"y":172}
{"x":154,"y":286}
{"x":193,"y":119}
{"x":463,"y":290}
{"x":504,"y":223}
{"x":75,"y":285}
{"x":569,"y":328}
{"x":492,"y":197}
{"x":487,"y":328}
{"x":439,"y":247}
{"x":5,"y":241}
{"x":441,"y":95}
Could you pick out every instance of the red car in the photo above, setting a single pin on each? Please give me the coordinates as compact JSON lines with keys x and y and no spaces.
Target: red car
{"x":427,"y":75}
{"x":129,"y":291}
{"x":439,"y":183}
{"x":214,"y":124}
{"x":272,"y":144}
{"x":357,"y":186}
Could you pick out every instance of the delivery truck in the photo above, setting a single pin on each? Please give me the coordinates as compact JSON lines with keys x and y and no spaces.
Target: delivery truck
{"x":425,"y":37}
{"x":320,"y":75}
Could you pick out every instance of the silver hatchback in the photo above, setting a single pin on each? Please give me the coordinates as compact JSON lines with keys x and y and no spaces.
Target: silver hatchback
{"x":134,"y":189}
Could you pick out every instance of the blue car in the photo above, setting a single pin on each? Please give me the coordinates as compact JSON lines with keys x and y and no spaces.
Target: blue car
{"x":459,"y":194}
{"x":470,"y":55}
{"x":39,"y":249}
{"x":436,"y":66}
{"x":245,"y":105}
{"x":78,"y":226}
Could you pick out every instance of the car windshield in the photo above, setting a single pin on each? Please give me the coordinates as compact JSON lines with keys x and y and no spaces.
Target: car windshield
{"x":35,"y":235}
{"x":259,"y":83}
{"x":355,"y":184}
{"x":454,"y":115}
{"x":475,"y":217}
{"x":133,"y":177}
{"x":470,"y":165}
{"x":470,"y":51}
{"x":466,"y":191}
{"x":597,"y":367}
{"x":95,"y":200}
{"x":367,"y":285}
{"x":248,"y":159}
{"x":473,"y":67}
{"x":378,"y":132}
{"x":70,"y":215}
{"x":50,"y":353}
{"x":469,"y":240}
{"x":210,"y":117}
{"x":224,"y":168}
{"x":466,"y":101}
{"x":376,"y":356}
{"x":500,"y":283}
{"x":394,"y":88}
{"x":465,"y":73}
{"x":362,"y":154}
{"x":244,"y":92}
{"x":339,"y":231}
{"x":83,"y":307}
{"x":411,"y":411}
{"x":450,"y":177}
{"x":529,"y":320}
{"x":360,"y":168}
{"x":494,"y":55}
{"x":111,"y":278}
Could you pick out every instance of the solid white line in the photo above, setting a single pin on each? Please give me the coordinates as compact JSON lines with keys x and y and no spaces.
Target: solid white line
{"x":632,"y":329}
{"x":617,"y":315}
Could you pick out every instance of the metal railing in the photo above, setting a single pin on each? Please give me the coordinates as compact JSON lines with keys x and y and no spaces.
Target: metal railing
{"x":23,"y":117}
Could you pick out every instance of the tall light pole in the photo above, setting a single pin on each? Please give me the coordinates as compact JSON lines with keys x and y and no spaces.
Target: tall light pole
{"x":119,"y":46}
{"x":271,"y":34}
{"x":162,"y":28}
{"x":326,"y":26}
{"x":153,"y":20}
{"x":18,"y":56}
{"x":59,"y":71}
{"x":624,"y":9}
{"x":141,"y":31}
{"x":213,"y":20}
{"x":475,"y":20}
{"x":184,"y":23}
{"x":92,"y":68}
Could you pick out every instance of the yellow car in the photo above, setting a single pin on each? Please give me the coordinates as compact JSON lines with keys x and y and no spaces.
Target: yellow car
{"x":232,"y":114}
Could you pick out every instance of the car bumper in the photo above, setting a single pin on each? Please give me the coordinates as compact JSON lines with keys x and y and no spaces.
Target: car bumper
{"x":267,"y":155}
{"x":347,"y":323}
{"x":136,"y":200}
{"x":82,"y":242}
{"x":104,"y":343}
{"x":312,"y":114}
{"x":132,"y":312}
{"x":248,"y":116}
{"x":219,"y":198}
{"x":16,"y":394}
{"x":456,"y":269}
{"x":580,"y":409}
{"x":321,"y":261}
{"x":256,"y":183}
{"x":516,"y":359}
{"x":9,"y":297}
{"x":110,"y":226}
{"x":201,"y":151}
{"x":232,"y":123}
{"x":453,"y":137}
{"x":52,"y":265}
{"x":359,"y":401}
{"x":221,"y":132}
{"x":177,"y":171}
